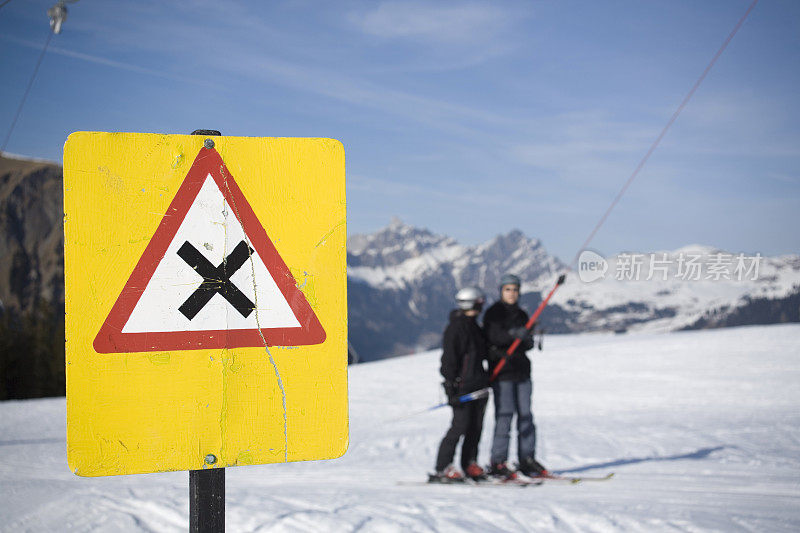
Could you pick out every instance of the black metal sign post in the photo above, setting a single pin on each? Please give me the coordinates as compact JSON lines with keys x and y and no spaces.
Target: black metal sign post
{"x":207,"y":500}
{"x":207,"y":487}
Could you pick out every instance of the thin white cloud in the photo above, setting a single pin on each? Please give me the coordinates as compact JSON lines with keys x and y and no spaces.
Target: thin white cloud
{"x":442,"y":115}
{"x":438,"y":36}
{"x":433,"y":22}
{"x":594,"y":150}
{"x":585,"y":147}
{"x":439,"y":114}
{"x":112,"y":63}
{"x":734,"y":123}
{"x":423,"y":194}
{"x":784,"y":178}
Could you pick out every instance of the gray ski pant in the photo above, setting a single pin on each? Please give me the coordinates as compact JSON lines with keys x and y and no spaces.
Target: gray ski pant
{"x":511,"y":398}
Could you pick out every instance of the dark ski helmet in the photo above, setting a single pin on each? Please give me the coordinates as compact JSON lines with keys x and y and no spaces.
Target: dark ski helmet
{"x":470,"y":298}
{"x":509,"y":279}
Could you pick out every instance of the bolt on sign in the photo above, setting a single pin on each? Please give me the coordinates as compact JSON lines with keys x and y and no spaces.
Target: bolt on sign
{"x":206,"y":301}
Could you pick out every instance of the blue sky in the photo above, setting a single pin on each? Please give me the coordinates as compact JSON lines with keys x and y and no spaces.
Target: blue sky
{"x":468,"y":118}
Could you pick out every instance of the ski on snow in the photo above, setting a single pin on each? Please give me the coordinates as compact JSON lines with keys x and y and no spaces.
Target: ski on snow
{"x":478,"y":483}
{"x":573,"y":479}
{"x":520,"y":481}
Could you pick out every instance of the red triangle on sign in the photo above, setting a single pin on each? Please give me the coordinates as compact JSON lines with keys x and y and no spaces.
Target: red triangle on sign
{"x":112,"y":339}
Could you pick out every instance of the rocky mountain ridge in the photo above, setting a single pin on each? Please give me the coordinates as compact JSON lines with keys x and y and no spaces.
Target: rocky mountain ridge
{"x":31,"y":233}
{"x":31,"y":279}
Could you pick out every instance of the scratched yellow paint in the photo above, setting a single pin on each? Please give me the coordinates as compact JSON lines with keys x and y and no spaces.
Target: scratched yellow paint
{"x":160,"y":411}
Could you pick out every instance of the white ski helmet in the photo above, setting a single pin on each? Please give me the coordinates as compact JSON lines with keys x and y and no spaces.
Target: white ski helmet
{"x":470,"y":298}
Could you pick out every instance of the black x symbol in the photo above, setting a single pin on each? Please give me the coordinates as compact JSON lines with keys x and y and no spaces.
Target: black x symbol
{"x":215,"y":280}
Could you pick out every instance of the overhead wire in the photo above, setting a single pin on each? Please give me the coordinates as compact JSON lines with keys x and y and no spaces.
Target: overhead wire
{"x":532,"y":320}
{"x":661,"y":135}
{"x":641,"y":164}
{"x":27,"y":91}
{"x":57,"y":15}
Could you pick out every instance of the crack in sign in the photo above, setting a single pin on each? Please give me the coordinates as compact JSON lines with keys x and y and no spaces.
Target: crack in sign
{"x":258,"y":326}
{"x":216,"y":280}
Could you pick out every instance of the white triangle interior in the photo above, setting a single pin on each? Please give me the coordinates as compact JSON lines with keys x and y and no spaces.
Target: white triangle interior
{"x":211,"y":226}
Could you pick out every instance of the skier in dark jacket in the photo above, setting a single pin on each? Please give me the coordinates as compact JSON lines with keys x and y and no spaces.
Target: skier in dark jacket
{"x":464,"y":350}
{"x":505,"y":322}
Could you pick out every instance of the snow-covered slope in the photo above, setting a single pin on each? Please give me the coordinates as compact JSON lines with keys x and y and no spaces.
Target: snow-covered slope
{"x":402,"y":280}
{"x":702,"y":429}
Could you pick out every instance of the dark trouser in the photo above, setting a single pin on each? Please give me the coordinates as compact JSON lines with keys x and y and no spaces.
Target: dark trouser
{"x":467,"y":421}
{"x":513,"y":397}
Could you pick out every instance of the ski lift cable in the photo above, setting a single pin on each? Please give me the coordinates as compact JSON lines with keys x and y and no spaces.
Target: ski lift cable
{"x":534,"y":317}
{"x":661,"y":135}
{"x":57,"y":14}
{"x":27,"y":91}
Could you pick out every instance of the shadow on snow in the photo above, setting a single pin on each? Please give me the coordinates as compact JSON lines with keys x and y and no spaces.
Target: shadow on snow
{"x":702,"y":453}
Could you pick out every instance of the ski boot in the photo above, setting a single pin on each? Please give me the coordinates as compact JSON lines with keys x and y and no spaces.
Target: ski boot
{"x":448,"y":475}
{"x":530,"y":467}
{"x":475,"y":472}
{"x":502,"y":472}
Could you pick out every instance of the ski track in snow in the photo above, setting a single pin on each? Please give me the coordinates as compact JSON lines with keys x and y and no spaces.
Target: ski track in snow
{"x":702,"y":429}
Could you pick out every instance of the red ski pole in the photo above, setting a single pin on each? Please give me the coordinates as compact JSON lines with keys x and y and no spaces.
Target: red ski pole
{"x":528,"y":326}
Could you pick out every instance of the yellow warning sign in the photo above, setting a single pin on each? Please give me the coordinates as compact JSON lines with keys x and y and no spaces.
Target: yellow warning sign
{"x":206,"y":301}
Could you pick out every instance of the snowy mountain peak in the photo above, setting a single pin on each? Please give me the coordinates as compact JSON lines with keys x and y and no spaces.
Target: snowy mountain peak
{"x":400,"y":254}
{"x":403,"y":279}
{"x":397,"y":223}
{"x":510,"y":243}
{"x":700,"y":249}
{"x":393,"y":245}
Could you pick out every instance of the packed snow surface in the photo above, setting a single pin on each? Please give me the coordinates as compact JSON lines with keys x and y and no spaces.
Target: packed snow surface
{"x":701,"y":428}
